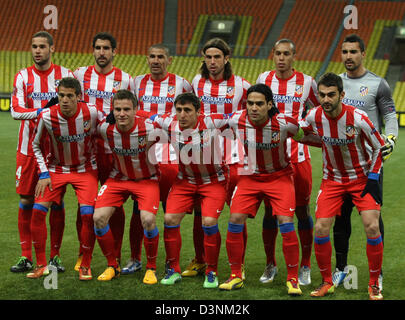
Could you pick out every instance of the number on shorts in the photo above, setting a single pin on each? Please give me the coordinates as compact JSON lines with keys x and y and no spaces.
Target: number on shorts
{"x":102,"y":189}
{"x":18,"y":172}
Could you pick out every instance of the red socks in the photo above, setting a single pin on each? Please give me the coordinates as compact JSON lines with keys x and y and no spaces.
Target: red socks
{"x":57,"y":226}
{"x":290,"y":249}
{"x":172,"y":239}
{"x":24,"y":229}
{"x":105,"y":239}
{"x":235,"y":247}
{"x":375,"y":250}
{"x":151,"y":243}
{"x":39,"y":232}
{"x":212,"y":246}
{"x":323,"y":253}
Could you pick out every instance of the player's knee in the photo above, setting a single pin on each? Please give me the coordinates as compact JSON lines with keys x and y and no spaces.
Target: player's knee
{"x":172,"y":219}
{"x":27,"y":200}
{"x":100,"y":220}
{"x":322,"y":227}
{"x":148,"y":221}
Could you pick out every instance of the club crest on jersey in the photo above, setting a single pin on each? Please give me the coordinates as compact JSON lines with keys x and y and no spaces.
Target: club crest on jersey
{"x":57,"y":82}
{"x":275,"y":136}
{"x":116,"y":86}
{"x":171,"y":90}
{"x":299,"y":89}
{"x":363,"y":91}
{"x":87,"y":125}
{"x":230,"y":92}
{"x":142,"y":141}
{"x":350,"y":131}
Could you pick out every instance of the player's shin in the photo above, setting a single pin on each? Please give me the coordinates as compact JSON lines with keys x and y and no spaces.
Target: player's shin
{"x":87,"y":235}
{"x":234,"y":248}
{"x":374,"y":250}
{"x":212,"y":245}
{"x":24,"y":229}
{"x":290,"y":249}
{"x":323,"y":253}
{"x":39,"y":232}
{"x":151,"y":243}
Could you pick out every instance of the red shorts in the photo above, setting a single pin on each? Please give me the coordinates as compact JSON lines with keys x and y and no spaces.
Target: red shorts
{"x":331,"y":195}
{"x":26,"y":174}
{"x":115,"y":192}
{"x":182,"y":198}
{"x":85,"y":185}
{"x":302,"y":182}
{"x":168,"y":174}
{"x":251,"y":190}
{"x":104,"y":165}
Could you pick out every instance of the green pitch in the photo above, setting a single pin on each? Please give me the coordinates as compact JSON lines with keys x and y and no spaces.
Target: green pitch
{"x":17,"y":286}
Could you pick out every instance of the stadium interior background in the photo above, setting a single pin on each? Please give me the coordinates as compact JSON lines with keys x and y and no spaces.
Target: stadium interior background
{"x":250,"y":27}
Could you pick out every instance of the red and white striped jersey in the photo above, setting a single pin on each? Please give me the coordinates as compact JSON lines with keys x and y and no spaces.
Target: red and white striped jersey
{"x":99,"y":89}
{"x":350,"y":143}
{"x":292,"y":97}
{"x":71,"y":139}
{"x":32,"y":90}
{"x":265,"y":146}
{"x":157,"y":96}
{"x":130,"y":150}
{"x":221,"y":96}
{"x":198,"y":150}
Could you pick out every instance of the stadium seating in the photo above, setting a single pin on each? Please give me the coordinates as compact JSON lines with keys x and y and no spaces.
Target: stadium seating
{"x":263,"y":14}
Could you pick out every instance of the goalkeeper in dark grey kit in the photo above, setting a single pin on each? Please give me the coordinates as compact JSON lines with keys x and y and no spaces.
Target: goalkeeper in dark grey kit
{"x":371,"y":93}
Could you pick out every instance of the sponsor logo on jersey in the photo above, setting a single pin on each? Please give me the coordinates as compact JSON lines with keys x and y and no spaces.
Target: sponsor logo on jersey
{"x":285,"y":99}
{"x":42,"y":95}
{"x":354,"y":103}
{"x":73,"y":138}
{"x":99,"y":94}
{"x":157,"y":100}
{"x":336,"y":141}
{"x":363,"y":91}
{"x":215,"y":100}
{"x":128,"y":152}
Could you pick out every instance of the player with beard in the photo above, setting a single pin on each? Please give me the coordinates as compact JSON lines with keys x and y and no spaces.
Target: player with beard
{"x":99,"y":84}
{"x":34,"y":87}
{"x":370,"y":93}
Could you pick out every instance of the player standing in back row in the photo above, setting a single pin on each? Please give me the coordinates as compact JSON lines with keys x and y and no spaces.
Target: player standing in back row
{"x":220,"y":91}
{"x":293,"y":93}
{"x":99,"y":83}
{"x":156,"y":92}
{"x":34,"y":87}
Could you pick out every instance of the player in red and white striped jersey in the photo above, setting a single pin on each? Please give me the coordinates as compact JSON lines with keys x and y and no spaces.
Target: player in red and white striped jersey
{"x":134,"y":173}
{"x":70,"y":127}
{"x":351,"y":151}
{"x":294,"y":92}
{"x":156,"y":92}
{"x":201,"y":175}
{"x":33,"y":88}
{"x":268,"y":174}
{"x":99,"y":84}
{"x":220,"y":91}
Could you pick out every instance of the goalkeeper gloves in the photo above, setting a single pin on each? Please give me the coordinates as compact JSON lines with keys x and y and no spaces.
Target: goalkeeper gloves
{"x":50,"y":103}
{"x":387,"y":149}
{"x":373,"y":187}
{"x":110,"y":118}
